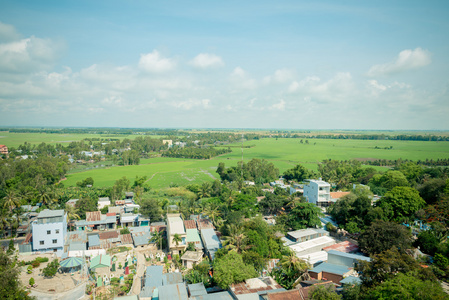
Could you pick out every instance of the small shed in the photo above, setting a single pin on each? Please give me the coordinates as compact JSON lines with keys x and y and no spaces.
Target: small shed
{"x":100,"y":261}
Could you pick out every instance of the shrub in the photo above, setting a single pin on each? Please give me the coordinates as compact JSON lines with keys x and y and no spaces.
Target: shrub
{"x":31,"y":282}
{"x":29,"y":269}
{"x":35,"y":263}
{"x":51,"y":269}
{"x":42,"y":259}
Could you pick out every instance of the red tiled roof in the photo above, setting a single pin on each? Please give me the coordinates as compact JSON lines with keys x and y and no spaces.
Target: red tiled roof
{"x":338,"y":195}
{"x":110,"y":214}
{"x":189,"y":224}
{"x":93,"y":216}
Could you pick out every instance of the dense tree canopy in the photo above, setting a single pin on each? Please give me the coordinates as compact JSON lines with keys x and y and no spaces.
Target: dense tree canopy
{"x":231,"y":269}
{"x":401,"y":203}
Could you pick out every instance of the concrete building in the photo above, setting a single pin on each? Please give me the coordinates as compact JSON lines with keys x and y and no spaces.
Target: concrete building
{"x":175,"y":225}
{"x":191,"y":258}
{"x":304,"y":235}
{"x":50,"y":231}
{"x":211,"y":242}
{"x":318,"y":192}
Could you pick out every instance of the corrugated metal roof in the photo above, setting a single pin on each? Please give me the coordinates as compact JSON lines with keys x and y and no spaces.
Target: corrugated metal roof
{"x":153,"y":276}
{"x":171,"y":278}
{"x":331,"y":268}
{"x":196,"y":289}
{"x":100,"y":261}
{"x":189,"y":224}
{"x":345,"y":246}
{"x":351,"y":280}
{"x":321,"y":241}
{"x":94,"y":240}
{"x":173,"y":292}
{"x":216,"y":296}
{"x":192,"y":236}
{"x":77,"y":246}
{"x":126,"y":238}
{"x":46,"y":213}
{"x":92,"y":216}
{"x":109,"y":235}
{"x":348,"y":255}
{"x":210,"y":238}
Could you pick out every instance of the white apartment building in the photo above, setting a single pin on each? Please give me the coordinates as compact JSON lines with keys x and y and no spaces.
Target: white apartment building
{"x":318,"y":192}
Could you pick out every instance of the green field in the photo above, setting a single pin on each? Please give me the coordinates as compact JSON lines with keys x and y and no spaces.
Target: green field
{"x":284,"y":153}
{"x":16,"y":139}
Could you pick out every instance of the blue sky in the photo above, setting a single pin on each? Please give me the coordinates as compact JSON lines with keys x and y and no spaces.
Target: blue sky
{"x":228,"y":64}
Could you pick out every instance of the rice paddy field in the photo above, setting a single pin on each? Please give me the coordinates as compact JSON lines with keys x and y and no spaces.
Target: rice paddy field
{"x":283,"y":153}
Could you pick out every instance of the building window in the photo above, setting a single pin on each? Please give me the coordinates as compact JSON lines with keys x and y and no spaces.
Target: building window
{"x":48,"y":231}
{"x":55,"y":241}
{"x":57,"y":231}
{"x":41,"y":242}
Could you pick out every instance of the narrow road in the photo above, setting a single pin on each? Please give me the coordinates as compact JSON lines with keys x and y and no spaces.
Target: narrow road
{"x":140,"y":270}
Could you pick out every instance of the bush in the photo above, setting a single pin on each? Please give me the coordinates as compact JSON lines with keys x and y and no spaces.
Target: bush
{"x":31,"y":282}
{"x":42,"y":259}
{"x":29,"y":269}
{"x":51,"y":269}
{"x":35,"y":263}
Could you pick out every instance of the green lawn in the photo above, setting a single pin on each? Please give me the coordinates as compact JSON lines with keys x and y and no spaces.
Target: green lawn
{"x":284,"y":153}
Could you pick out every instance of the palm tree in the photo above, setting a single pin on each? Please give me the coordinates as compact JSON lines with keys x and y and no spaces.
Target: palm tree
{"x":295,"y":266}
{"x":11,"y":200}
{"x":157,"y":238}
{"x":71,"y":214}
{"x":176,"y":239}
{"x":236,"y":239}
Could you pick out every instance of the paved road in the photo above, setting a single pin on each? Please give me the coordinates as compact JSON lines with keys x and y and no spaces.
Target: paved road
{"x":140,"y":270}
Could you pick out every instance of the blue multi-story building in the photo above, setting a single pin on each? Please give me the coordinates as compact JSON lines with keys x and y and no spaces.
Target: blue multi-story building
{"x":49,"y":231}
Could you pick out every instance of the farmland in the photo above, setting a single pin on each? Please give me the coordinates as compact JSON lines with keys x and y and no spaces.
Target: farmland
{"x":283,"y":153}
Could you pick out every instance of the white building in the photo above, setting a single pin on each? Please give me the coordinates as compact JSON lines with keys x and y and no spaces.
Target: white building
{"x":175,"y":225}
{"x":318,"y":192}
{"x":49,"y":231}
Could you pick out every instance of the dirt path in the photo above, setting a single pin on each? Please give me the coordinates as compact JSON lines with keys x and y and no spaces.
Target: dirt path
{"x":140,"y":270}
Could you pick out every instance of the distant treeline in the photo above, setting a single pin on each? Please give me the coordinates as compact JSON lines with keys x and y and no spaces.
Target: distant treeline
{"x":196,"y":153}
{"x":401,"y":137}
{"x":428,"y":162}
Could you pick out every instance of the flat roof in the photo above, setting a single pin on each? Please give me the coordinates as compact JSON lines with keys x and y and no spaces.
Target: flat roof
{"x":210,"y":238}
{"x":176,"y":225}
{"x":331,"y":268}
{"x":306,"y":232}
{"x":197,"y":289}
{"x":46,"y":213}
{"x":349,"y":255}
{"x":173,"y":292}
{"x":321,"y":241}
{"x":153,"y":276}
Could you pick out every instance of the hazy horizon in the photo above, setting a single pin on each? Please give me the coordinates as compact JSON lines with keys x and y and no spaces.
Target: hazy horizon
{"x":287,"y":65}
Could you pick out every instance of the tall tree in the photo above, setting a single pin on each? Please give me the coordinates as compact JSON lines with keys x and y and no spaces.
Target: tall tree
{"x":401,"y":203}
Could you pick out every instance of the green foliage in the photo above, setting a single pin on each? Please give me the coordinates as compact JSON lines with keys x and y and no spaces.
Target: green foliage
{"x":303,"y":215}
{"x":407,"y":286}
{"x":84,"y":205}
{"x":299,"y":173}
{"x":51,"y":269}
{"x":200,"y":273}
{"x":258,"y":170}
{"x":289,"y":269}
{"x":11,"y":247}
{"x":427,"y":242}
{"x":31,"y":281}
{"x":387,"y":181}
{"x":381,"y":236}
{"x":149,"y":207}
{"x":401,"y":203}
{"x":9,"y":277}
{"x":324,"y":292}
{"x":35,"y":264}
{"x":195,"y":152}
{"x":231,"y":269}
{"x":124,"y":230}
{"x":89,"y":181}
{"x":441,"y":261}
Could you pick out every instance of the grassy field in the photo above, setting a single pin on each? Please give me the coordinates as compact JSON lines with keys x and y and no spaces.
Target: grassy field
{"x":284,"y":153}
{"x":16,"y":139}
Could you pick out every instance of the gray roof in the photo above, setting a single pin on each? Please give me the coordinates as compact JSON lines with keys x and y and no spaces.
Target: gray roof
{"x":147,"y":291}
{"x":94,"y":240}
{"x":196,"y":289}
{"x":77,"y":246}
{"x":141,"y":238}
{"x":331,"y":268}
{"x":210,"y":239}
{"x":351,"y":280}
{"x":349,"y":255}
{"x":153,"y":276}
{"x":103,"y":199}
{"x":173,"y":292}
{"x":306,"y":232}
{"x":171,"y":278}
{"x":216,"y":296}
{"x":46,"y":213}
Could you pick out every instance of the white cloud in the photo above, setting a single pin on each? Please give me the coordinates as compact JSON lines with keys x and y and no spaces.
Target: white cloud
{"x":279,"y":76}
{"x":192,"y":103}
{"x":28,"y":54}
{"x":8,"y":33}
{"x":206,"y":61}
{"x":242,"y":80}
{"x":278,"y":106}
{"x":406,"y":60}
{"x":154,"y":62}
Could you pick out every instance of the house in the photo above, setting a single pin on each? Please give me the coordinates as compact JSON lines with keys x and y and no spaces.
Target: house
{"x":318,"y":192}
{"x":345,"y":259}
{"x":103,"y":201}
{"x":173,"y":292}
{"x":332,"y":272}
{"x":312,"y":246}
{"x":141,"y":235}
{"x":93,"y":242}
{"x":100,"y":261}
{"x":211,"y":242}
{"x":151,"y":281}
{"x":96,"y":221}
{"x":345,"y":246}
{"x":304,"y":235}
{"x":191,"y":258}
{"x":72,"y":202}
{"x":168,"y":142}
{"x":255,"y":288}
{"x":175,"y":225}
{"x":3,"y":150}
{"x":50,"y":231}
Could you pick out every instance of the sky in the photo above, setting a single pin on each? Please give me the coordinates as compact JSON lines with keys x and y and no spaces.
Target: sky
{"x":381,"y":65}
